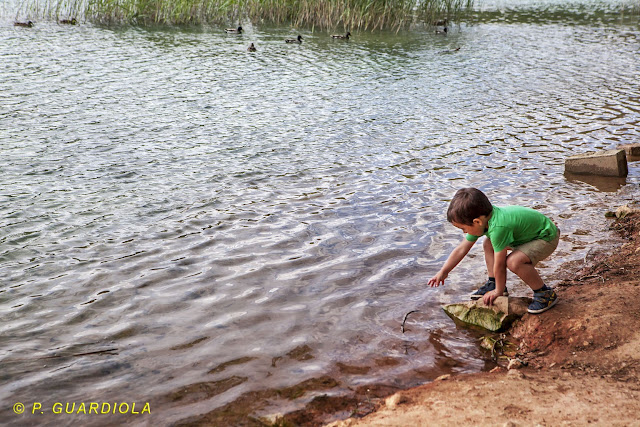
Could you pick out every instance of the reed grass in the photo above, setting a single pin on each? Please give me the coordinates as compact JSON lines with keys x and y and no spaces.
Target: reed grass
{"x":324,"y":14}
{"x":57,"y":9}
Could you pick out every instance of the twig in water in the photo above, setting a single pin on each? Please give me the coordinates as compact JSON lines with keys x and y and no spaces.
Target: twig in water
{"x":109,"y":351}
{"x":405,"y":318}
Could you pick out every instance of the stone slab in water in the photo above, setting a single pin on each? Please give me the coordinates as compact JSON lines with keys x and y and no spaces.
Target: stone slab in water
{"x":496,"y":317}
{"x":604,"y":163}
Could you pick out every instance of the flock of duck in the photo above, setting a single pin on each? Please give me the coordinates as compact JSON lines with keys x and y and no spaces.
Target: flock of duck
{"x":29,"y":24}
{"x":238,"y":30}
{"x":297,"y":40}
{"x":251,"y":48}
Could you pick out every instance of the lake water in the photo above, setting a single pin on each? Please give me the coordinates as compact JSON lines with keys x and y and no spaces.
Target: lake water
{"x":177,"y":213}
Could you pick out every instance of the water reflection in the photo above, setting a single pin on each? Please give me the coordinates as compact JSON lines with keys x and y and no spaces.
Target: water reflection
{"x":601,"y":183}
{"x":178,"y":215}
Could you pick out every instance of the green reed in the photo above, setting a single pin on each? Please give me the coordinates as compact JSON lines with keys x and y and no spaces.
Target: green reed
{"x":347,"y":14}
{"x":58,"y":9}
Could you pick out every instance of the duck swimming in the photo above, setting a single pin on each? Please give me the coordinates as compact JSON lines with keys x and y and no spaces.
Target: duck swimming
{"x":338,"y":36}
{"x":444,"y":31}
{"x":234,"y":30}
{"x":450,"y":50}
{"x":23,"y":24}
{"x":298,"y":40}
{"x":251,"y":48}
{"x":71,"y":21}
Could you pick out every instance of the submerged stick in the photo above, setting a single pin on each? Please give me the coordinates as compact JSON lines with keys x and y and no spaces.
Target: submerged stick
{"x":405,"y":318}
{"x":109,"y":351}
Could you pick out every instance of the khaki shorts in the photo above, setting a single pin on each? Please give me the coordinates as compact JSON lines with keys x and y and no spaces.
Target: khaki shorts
{"x":537,"y":250}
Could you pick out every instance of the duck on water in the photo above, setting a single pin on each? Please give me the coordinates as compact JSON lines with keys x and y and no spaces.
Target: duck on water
{"x":296,"y":40}
{"x":341,"y":37}
{"x":234,"y":30}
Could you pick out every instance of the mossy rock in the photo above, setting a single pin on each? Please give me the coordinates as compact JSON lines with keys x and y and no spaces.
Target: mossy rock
{"x":493,"y":318}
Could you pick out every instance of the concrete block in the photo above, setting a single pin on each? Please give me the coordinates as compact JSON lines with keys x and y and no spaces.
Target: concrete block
{"x":631,"y":149}
{"x":604,"y":163}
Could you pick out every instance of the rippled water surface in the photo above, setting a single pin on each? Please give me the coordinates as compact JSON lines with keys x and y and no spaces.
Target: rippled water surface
{"x":176,"y":211}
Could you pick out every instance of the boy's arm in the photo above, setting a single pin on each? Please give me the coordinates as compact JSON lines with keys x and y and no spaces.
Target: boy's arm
{"x":454,"y":258}
{"x":500,"y":273}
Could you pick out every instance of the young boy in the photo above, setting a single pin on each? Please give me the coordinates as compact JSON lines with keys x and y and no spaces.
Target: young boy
{"x":528,"y":235}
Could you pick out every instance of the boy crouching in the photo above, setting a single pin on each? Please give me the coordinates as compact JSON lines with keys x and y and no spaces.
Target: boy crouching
{"x":517,"y":238}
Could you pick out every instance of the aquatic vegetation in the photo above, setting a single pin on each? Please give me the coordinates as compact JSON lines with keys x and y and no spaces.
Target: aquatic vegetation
{"x":348,"y":14}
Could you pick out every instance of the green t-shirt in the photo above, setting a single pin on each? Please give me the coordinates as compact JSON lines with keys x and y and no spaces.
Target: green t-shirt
{"x":512,"y":226}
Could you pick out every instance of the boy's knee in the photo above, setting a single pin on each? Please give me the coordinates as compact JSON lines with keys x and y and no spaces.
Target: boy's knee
{"x":517,"y":259}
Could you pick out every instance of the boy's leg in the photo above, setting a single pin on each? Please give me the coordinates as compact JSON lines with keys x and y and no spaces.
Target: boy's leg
{"x":488,"y":255}
{"x":523,"y":260}
{"x":519,"y":263}
{"x":490,"y":284}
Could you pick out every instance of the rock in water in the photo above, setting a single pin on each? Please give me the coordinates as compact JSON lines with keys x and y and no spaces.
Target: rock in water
{"x":494,"y":318}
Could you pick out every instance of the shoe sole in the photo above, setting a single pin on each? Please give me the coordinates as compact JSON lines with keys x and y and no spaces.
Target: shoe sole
{"x":542,"y":310}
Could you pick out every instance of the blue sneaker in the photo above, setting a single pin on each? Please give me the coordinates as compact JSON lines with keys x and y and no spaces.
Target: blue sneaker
{"x":543,"y":300}
{"x":487,"y":287}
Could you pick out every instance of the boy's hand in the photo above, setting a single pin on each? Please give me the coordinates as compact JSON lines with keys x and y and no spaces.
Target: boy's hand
{"x":490,"y":297}
{"x":438,"y":279}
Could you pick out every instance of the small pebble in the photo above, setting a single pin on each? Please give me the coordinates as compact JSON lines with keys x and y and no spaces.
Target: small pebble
{"x":393,"y":401}
{"x":514,"y":364}
{"x":514,"y":373}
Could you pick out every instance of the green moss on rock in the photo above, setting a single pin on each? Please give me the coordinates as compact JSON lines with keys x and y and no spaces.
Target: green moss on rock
{"x":495,"y":318}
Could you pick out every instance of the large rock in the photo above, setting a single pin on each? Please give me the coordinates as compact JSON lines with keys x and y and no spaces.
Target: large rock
{"x":604,"y":163}
{"x":496,"y":317}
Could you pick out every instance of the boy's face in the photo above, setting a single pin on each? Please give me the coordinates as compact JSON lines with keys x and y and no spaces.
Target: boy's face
{"x":477,"y":228}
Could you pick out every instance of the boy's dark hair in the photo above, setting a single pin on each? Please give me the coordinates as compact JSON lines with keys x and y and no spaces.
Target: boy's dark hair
{"x":468,"y":204}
